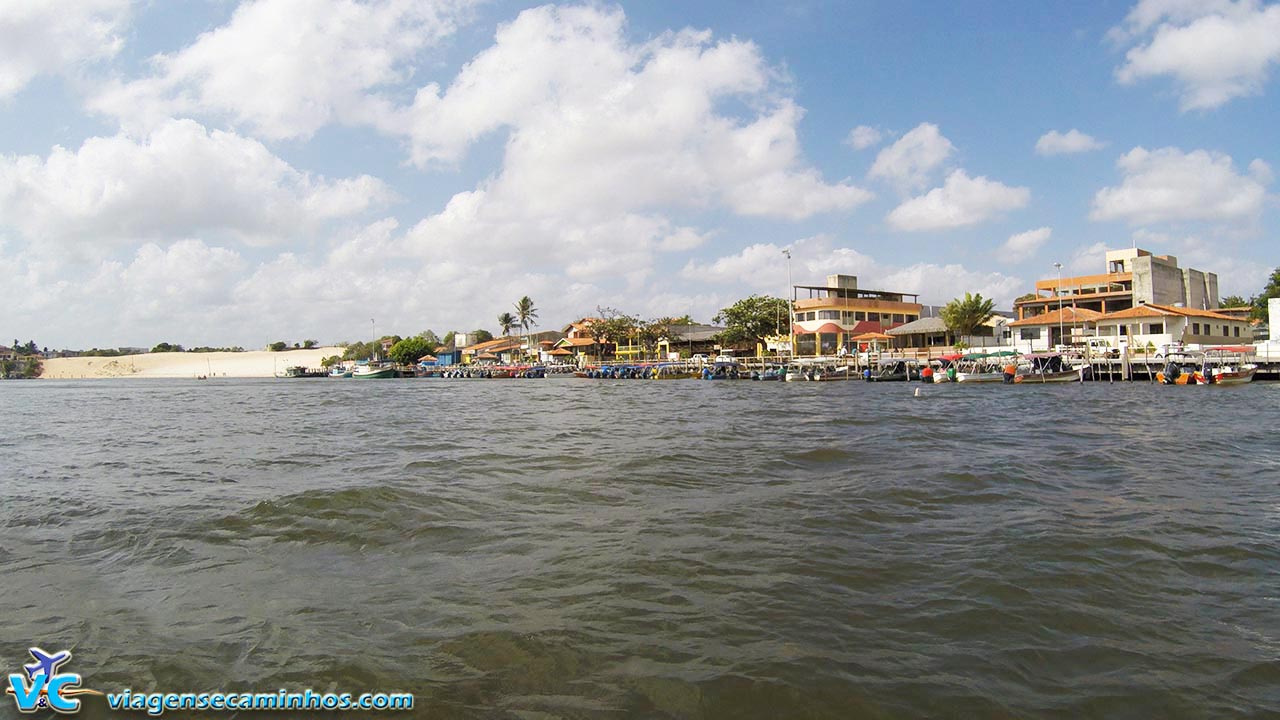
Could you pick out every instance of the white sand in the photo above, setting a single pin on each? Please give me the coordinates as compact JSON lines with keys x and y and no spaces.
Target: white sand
{"x":259,"y":363}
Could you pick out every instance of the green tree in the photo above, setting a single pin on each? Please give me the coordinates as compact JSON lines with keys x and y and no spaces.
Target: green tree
{"x":432,"y":339}
{"x":278,"y":346}
{"x":1234,"y":301}
{"x":507,"y":322}
{"x":1024,"y":298}
{"x":330,"y":361}
{"x":32,"y":368}
{"x":166,"y":347}
{"x":964,"y":315}
{"x":1271,"y":290}
{"x":308,"y":344}
{"x":482,"y":336}
{"x":7,"y":368}
{"x":753,"y":318}
{"x":407,"y":351}
{"x":611,"y":326}
{"x":448,"y":339}
{"x":359,"y":350}
{"x":526,"y":313}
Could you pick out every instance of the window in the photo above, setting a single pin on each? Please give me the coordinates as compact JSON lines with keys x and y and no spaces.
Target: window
{"x":899,"y":318}
{"x":1124,"y":329}
{"x":848,"y":316}
{"x":1237,"y":331}
{"x":912,"y":318}
{"x":873,"y":317}
{"x":1155,"y":328}
{"x":1226,"y":331}
{"x":828,"y":314}
{"x":1195,"y":328}
{"x":860,"y":315}
{"x":1029,"y":334}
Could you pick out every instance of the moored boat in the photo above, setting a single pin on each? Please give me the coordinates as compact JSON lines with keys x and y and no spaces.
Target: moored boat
{"x":375,"y":371}
{"x":1047,"y":368}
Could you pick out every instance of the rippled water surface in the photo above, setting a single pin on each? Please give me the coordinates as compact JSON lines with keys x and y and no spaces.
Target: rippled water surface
{"x":578,"y":549}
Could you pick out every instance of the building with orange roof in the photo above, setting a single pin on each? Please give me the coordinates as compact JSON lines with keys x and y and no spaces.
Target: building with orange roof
{"x":1133,"y":276}
{"x":503,"y":348}
{"x":1153,"y":327}
{"x":1064,"y":326}
{"x":830,"y":317}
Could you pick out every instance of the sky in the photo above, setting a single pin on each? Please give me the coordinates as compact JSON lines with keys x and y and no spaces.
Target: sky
{"x":212,"y":172}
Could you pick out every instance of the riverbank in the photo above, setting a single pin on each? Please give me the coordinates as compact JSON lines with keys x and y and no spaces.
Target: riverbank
{"x":254,"y":364}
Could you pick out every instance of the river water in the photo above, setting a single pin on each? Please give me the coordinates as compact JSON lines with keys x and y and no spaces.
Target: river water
{"x":568,"y":548}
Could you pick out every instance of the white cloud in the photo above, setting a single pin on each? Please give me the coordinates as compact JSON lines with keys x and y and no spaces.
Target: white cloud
{"x":180,"y":180}
{"x":285,"y":68}
{"x":1087,"y":260}
{"x":1167,"y":185}
{"x":1022,"y":246}
{"x":1073,"y":141}
{"x":909,"y":163}
{"x":1216,"y":51}
{"x":863,"y":137}
{"x":44,"y":38}
{"x":961,"y":201}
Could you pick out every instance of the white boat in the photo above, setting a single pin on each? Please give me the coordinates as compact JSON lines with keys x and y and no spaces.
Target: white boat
{"x":1047,"y":368}
{"x":1227,"y":366}
{"x":375,"y":371}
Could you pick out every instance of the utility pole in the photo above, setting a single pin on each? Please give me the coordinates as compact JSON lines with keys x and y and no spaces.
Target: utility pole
{"x":1058,"y":289}
{"x":791,"y":309}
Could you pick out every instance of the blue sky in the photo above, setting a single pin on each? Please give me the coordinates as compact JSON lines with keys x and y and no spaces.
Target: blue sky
{"x":238,"y":172}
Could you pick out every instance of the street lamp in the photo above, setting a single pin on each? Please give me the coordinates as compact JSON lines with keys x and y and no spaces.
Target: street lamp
{"x":791,"y":310}
{"x":1058,"y":289}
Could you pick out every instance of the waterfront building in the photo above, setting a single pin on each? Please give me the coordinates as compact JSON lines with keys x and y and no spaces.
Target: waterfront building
{"x":1065,"y":326}
{"x":931,"y":332}
{"x":830,"y":316}
{"x":7,"y":353}
{"x":503,"y":348}
{"x":1133,"y":277}
{"x":1153,"y":327}
{"x":690,"y":340}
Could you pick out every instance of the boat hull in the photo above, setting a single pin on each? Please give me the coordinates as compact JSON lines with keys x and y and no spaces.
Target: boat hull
{"x":1063,"y":376}
{"x":979,"y":377}
{"x":379,"y":374}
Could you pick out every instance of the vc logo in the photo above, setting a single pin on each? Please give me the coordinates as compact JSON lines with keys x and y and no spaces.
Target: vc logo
{"x":42,"y":687}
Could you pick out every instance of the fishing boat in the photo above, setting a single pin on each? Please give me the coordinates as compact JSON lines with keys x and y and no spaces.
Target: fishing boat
{"x":981,"y":367}
{"x":339,"y":371}
{"x":375,"y":371}
{"x":1047,"y":368}
{"x":298,"y":371}
{"x":895,"y":370}
{"x":1182,"y":368}
{"x":1229,"y":366}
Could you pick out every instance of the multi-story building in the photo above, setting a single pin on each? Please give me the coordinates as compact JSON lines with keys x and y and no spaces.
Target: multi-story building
{"x":1134,"y":277}
{"x":831,"y":315}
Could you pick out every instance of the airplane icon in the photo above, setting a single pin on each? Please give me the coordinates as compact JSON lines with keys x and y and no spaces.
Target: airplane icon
{"x":45,"y":663}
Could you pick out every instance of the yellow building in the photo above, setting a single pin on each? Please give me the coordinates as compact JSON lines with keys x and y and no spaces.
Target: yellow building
{"x":831,"y":316}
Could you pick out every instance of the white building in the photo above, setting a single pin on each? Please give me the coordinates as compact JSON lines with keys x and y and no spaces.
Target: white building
{"x":1155,"y":326}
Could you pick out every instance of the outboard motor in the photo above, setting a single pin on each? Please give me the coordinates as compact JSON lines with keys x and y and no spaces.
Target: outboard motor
{"x":1171,"y":373}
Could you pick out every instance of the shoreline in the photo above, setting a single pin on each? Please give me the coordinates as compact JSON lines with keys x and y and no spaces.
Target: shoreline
{"x":249,"y":364}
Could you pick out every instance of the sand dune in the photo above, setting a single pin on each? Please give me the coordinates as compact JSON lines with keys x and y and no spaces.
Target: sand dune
{"x":187,"y":365}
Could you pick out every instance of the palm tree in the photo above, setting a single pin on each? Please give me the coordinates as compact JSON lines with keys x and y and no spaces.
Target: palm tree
{"x":964,"y":315}
{"x":526,"y":313}
{"x":507,"y":322}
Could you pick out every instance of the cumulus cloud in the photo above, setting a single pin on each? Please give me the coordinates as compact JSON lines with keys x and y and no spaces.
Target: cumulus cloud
{"x":179,"y":180}
{"x":1169,"y":184}
{"x":1024,"y":245}
{"x":863,"y":137}
{"x":45,"y":38}
{"x":597,"y":121}
{"x":960,"y":201}
{"x":285,"y":68}
{"x":909,"y":163}
{"x":1073,"y":141}
{"x":1214,"y":50}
